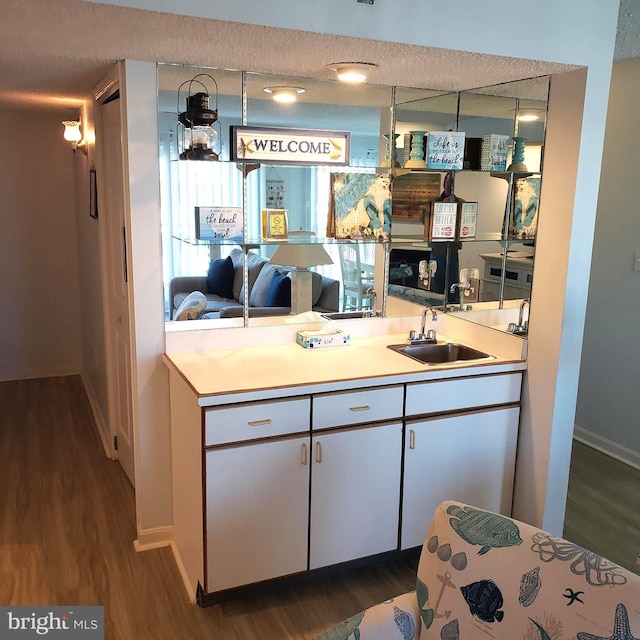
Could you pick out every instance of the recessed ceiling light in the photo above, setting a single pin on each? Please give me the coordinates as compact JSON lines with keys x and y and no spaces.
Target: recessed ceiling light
{"x":352,"y":71}
{"x":285,"y":95}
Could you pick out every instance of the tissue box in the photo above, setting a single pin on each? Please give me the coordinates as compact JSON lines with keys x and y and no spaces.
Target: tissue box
{"x":316,"y":339}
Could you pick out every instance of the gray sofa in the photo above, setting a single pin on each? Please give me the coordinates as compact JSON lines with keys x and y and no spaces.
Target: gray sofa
{"x":325,"y":291}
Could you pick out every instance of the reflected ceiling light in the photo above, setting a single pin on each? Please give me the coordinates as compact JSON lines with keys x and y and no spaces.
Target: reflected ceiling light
{"x":354,"y":72}
{"x":530,"y":115}
{"x":285,"y":95}
{"x":73,"y":134}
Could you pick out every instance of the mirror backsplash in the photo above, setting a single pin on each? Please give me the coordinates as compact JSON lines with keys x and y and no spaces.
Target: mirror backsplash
{"x":222,"y":220}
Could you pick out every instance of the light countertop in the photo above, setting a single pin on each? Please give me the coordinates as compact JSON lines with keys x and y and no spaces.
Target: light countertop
{"x":257,"y":370}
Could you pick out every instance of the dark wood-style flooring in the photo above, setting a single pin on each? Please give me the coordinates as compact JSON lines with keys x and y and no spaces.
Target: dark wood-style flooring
{"x":67,"y":524}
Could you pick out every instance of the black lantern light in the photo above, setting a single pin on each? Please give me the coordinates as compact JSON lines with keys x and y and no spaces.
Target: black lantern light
{"x":197,"y":136}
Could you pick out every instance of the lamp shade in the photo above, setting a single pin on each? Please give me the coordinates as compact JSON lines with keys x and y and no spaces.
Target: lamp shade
{"x":301,"y":255}
{"x":72,"y":131}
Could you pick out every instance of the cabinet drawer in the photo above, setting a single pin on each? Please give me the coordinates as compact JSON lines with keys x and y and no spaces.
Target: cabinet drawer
{"x":465,"y":393}
{"x":353,"y":407}
{"x":256,"y":420}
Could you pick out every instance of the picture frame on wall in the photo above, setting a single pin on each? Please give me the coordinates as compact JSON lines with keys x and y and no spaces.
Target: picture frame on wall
{"x":523,"y":222}
{"x":93,"y":194}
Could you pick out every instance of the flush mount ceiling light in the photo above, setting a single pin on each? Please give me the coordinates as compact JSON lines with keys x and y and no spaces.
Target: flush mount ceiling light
{"x":285,"y":95}
{"x":354,"y":72}
{"x":529,"y":115}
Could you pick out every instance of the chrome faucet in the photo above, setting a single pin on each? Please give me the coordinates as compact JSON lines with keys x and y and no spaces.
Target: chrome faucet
{"x":522,"y":328}
{"x":373,"y":296}
{"x":521,"y":324}
{"x":429,"y":336}
{"x":461,"y":287}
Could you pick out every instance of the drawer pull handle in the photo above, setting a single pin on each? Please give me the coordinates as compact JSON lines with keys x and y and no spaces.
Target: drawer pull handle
{"x":259,"y":423}
{"x":412,"y":439}
{"x":364,"y":407}
{"x":318,"y":452}
{"x":304,"y":454}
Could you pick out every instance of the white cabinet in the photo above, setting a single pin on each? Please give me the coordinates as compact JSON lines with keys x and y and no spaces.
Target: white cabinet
{"x":355,"y":493}
{"x":257,"y":510}
{"x":468,"y":457}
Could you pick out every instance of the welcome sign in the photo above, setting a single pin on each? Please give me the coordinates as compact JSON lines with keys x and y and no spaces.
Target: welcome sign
{"x":291,"y":146}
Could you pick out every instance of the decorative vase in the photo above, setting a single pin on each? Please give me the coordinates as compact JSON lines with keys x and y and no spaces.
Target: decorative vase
{"x":517,"y":157}
{"x":416,"y":157}
{"x":391,"y":151}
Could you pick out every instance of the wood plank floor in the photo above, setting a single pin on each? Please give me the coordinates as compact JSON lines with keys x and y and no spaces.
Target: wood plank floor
{"x":67,"y":524}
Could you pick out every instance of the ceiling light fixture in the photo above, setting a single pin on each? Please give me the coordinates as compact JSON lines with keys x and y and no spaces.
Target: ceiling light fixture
{"x":73,"y":134}
{"x":354,"y":72}
{"x":529,"y":115}
{"x":285,"y":95}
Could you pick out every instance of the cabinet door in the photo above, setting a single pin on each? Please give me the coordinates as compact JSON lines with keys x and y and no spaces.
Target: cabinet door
{"x":355,"y":493}
{"x":257,"y":512}
{"x":467,"y":457}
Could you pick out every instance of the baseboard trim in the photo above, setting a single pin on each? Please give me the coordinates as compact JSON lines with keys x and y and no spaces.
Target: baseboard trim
{"x":183,"y":573}
{"x":155,"y":538}
{"x":101,"y":424}
{"x":604,"y":445}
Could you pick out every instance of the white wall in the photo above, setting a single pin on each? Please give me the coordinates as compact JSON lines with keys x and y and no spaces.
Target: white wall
{"x":608,"y":400}
{"x":41,"y":322}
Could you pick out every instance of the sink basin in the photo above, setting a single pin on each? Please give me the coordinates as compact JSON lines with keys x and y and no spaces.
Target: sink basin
{"x":440,"y":353}
{"x":349,"y":315}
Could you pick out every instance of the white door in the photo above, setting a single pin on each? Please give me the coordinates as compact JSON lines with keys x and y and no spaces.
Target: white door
{"x":112,"y":215}
{"x":467,"y":457}
{"x":355,"y":494}
{"x":257,"y":512}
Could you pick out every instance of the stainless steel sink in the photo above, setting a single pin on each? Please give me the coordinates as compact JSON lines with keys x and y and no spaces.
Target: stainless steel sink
{"x":350,"y":315}
{"x":440,"y":353}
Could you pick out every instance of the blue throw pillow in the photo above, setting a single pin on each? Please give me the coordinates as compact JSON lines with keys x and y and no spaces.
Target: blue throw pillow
{"x":220,"y":277}
{"x":279,"y":291}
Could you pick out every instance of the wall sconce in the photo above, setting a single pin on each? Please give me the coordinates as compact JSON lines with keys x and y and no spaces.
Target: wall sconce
{"x":353,"y":72}
{"x":73,"y":134}
{"x":196,"y":134}
{"x":284,"y":95}
{"x":301,"y":256}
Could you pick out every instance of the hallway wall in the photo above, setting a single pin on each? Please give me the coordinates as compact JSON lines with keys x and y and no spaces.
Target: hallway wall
{"x":41,"y":324}
{"x":608,"y":401}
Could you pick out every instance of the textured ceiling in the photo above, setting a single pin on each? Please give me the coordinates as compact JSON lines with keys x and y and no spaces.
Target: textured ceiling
{"x":53,"y":53}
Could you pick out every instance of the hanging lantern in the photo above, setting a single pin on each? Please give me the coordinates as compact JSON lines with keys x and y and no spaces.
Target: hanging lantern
{"x":198,"y":139}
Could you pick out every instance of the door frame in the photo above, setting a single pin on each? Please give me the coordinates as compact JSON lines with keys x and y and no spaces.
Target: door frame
{"x":103,"y":92}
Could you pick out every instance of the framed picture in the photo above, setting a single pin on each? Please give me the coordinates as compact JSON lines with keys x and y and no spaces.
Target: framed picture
{"x":412,"y":194}
{"x":444,"y":221}
{"x":93,"y":194}
{"x":274,"y":224}
{"x":360,"y":206}
{"x":219,"y":224}
{"x":523,"y":222}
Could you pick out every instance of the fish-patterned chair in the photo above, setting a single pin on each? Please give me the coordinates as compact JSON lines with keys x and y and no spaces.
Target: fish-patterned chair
{"x":483,"y":576}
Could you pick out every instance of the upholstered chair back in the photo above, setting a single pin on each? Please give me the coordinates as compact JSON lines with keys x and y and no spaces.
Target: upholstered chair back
{"x":482,"y":575}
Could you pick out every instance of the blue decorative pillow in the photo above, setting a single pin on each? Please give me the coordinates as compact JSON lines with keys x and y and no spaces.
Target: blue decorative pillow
{"x":220,"y":278}
{"x":279,"y":291}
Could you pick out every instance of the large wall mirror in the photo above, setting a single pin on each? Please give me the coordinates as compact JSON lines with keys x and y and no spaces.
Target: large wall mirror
{"x":234,"y":265}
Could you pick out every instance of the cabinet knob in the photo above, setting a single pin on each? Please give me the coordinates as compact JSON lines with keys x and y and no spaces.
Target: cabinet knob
{"x":318,"y":452}
{"x":304,"y":454}
{"x":412,"y":439}
{"x":364,"y":407}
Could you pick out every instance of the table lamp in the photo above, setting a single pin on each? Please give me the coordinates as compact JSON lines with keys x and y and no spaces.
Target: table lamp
{"x":301,"y":256}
